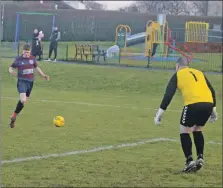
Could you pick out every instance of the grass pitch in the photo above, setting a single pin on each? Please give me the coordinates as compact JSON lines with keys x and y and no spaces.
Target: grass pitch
{"x":102,"y":106}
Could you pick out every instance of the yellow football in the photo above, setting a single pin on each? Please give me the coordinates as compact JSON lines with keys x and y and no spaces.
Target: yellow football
{"x":58,"y":121}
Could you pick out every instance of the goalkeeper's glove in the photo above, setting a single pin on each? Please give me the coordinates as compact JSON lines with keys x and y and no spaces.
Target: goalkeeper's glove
{"x":158,"y":117}
{"x":214,"y":116}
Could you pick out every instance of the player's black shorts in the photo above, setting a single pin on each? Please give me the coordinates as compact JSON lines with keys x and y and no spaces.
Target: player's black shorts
{"x":24,"y":86}
{"x":196,"y":114}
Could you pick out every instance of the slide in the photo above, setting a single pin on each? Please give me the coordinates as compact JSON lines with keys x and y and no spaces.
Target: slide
{"x":131,"y":40}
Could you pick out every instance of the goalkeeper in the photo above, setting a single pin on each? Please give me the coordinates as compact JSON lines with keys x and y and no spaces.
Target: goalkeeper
{"x":199,"y":106}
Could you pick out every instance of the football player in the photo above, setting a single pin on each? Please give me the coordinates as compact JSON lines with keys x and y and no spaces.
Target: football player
{"x":25,"y":64}
{"x":199,"y":106}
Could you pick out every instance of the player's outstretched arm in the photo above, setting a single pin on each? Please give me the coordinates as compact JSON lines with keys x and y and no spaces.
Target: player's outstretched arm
{"x":12,"y":71}
{"x":40,"y":72}
{"x":13,"y":67}
{"x":170,"y":91}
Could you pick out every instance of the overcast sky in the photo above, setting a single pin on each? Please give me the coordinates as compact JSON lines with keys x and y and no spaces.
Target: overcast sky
{"x":114,"y":5}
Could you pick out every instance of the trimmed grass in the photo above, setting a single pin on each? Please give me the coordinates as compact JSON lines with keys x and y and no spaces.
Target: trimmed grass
{"x":102,"y":106}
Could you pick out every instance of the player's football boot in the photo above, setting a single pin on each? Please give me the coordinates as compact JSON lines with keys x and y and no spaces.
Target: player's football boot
{"x":189,"y":167}
{"x":199,"y":163}
{"x":13,"y":119}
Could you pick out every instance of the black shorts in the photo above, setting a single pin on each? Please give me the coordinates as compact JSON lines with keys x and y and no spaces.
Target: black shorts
{"x":196,"y":114}
{"x":24,"y":86}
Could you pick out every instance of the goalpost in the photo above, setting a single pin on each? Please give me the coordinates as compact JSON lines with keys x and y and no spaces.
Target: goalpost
{"x":18,"y":18}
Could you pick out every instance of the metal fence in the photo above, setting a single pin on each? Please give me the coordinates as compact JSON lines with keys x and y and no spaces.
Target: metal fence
{"x":87,"y":25}
{"x":207,"y":59}
{"x":214,"y":36}
{"x":95,"y":26}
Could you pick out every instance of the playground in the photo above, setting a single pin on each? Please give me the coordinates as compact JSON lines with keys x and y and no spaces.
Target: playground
{"x":161,"y":46}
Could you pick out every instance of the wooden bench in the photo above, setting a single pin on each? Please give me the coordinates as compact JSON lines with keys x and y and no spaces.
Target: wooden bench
{"x":88,"y":53}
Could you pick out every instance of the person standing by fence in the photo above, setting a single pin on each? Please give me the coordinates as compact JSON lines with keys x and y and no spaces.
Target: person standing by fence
{"x":35,"y":43}
{"x":54,"y":38}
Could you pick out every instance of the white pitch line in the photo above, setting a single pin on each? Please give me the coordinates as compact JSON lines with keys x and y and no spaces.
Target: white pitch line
{"x":215,"y":143}
{"x":90,"y":104}
{"x":98,"y":149}
{"x":95,"y":104}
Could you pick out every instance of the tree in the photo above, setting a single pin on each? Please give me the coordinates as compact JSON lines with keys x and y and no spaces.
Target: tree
{"x":163,"y":7}
{"x":133,"y":8}
{"x":150,"y":6}
{"x":122,"y":9}
{"x":200,"y":7}
{"x":175,"y":7}
{"x":92,"y":5}
{"x":130,"y":8}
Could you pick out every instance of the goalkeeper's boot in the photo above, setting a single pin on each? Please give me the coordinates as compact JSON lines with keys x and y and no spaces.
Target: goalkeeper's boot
{"x":13,"y":119}
{"x":199,"y":162}
{"x":190,"y":166}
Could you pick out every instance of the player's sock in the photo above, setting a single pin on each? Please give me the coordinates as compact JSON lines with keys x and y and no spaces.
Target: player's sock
{"x":19,"y":107}
{"x":186,"y":144}
{"x":199,"y":143}
{"x":13,"y":116}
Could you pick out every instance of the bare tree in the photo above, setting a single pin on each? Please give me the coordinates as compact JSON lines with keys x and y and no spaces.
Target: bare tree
{"x":93,"y":5}
{"x":150,"y":6}
{"x":200,"y":7}
{"x":133,"y":8}
{"x":130,"y":8}
{"x":176,"y":7}
{"x":122,"y":9}
{"x":165,"y":7}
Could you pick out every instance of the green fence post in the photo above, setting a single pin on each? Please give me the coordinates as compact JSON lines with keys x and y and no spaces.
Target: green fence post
{"x":119,"y":56}
{"x":67,"y":52}
{"x":121,"y":39}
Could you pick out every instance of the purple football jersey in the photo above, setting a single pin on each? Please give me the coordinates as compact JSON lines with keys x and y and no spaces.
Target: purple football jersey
{"x":25,"y":67}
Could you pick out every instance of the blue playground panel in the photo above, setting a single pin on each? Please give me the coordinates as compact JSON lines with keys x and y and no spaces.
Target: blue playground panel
{"x":171,"y":59}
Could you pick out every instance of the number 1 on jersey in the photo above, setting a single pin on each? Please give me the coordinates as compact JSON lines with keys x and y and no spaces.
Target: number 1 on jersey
{"x":194,"y":76}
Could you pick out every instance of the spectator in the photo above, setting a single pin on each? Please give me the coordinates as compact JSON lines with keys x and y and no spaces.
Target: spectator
{"x":36,"y":44}
{"x":54,"y":38}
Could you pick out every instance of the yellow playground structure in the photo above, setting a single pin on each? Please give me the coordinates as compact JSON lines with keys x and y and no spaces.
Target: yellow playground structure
{"x":159,"y":40}
{"x":196,"y":32}
{"x":156,"y":34}
{"x":159,"y":34}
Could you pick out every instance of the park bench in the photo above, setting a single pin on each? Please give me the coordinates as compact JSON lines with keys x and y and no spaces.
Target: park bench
{"x":88,"y":53}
